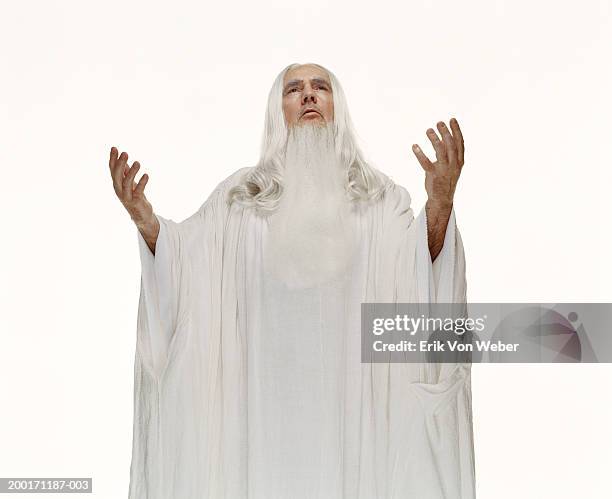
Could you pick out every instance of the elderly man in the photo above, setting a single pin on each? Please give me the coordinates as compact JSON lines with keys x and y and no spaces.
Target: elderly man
{"x":248,"y":377}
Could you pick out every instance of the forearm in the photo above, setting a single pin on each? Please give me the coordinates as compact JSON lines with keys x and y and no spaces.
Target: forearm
{"x":150,"y":231}
{"x":438,"y":215}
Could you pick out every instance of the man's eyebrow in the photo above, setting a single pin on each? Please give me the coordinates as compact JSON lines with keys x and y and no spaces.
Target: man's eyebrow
{"x":319,"y":81}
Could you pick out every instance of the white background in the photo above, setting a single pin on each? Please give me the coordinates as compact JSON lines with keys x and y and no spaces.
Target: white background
{"x":182,"y":88}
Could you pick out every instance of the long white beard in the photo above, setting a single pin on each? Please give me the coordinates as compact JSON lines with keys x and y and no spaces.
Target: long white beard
{"x":311,"y":239}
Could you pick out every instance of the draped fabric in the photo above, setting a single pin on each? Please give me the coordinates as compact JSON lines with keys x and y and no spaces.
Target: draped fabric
{"x":245,"y":388}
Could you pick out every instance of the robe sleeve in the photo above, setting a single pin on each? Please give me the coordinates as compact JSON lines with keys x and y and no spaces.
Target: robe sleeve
{"x":443,"y":281}
{"x":160,"y":276}
{"x":165,"y":277}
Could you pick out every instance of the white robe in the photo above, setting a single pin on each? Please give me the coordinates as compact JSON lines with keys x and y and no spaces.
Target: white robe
{"x":245,"y":389}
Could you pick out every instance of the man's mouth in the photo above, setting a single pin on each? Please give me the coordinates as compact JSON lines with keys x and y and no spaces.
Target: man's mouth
{"x":311,"y":111}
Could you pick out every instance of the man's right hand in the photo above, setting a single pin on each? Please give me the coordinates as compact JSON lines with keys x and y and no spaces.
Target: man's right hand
{"x":131,"y":195}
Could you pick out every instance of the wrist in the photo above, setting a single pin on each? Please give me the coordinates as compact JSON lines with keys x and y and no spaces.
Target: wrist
{"x":148,"y":226}
{"x":439,"y":204}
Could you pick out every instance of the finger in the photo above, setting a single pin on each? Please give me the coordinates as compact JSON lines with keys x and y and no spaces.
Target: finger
{"x":449,"y":142}
{"x":117,"y":173}
{"x":437,"y":144}
{"x":422,"y":158}
{"x":126,"y":167}
{"x":139,"y":189}
{"x":113,"y":157}
{"x":128,"y":181}
{"x":458,"y":140}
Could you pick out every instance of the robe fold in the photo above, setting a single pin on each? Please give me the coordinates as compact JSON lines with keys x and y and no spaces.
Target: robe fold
{"x":245,"y":388}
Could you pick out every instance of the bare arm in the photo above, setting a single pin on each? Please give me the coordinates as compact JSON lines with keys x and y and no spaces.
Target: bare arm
{"x":131,"y":195}
{"x":437,"y":221}
{"x":149,"y":233}
{"x":441,"y":178}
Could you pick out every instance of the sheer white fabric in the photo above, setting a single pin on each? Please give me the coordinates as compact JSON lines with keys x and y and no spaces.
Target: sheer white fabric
{"x":246,"y":389}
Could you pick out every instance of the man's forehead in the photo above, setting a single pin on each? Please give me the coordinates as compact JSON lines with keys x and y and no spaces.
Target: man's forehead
{"x":305,"y":73}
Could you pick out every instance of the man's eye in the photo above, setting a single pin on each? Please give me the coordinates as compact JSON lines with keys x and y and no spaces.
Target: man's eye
{"x":293,"y":90}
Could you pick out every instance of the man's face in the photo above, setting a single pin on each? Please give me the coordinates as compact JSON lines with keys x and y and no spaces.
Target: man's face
{"x":307,"y":96}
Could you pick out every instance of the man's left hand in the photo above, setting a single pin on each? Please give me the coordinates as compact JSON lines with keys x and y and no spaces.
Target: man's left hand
{"x":441,"y":176}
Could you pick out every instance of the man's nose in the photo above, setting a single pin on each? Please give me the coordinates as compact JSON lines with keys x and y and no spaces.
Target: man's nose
{"x":309,"y":96}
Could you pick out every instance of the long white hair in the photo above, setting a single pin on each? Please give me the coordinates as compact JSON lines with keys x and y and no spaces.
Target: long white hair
{"x":262,"y":187}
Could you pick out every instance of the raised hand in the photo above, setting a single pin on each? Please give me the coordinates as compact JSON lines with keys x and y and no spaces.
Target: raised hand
{"x":441,"y":176}
{"x":131,"y":195}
